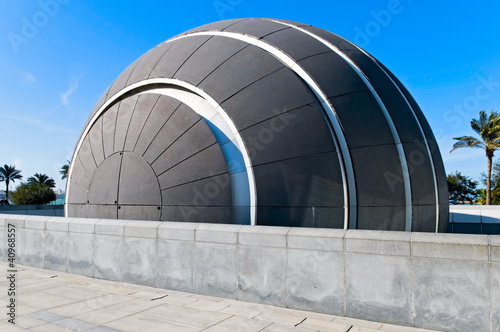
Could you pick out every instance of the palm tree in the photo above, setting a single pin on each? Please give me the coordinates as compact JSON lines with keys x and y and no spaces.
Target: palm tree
{"x":42,"y":179}
{"x":488,"y":128}
{"x":64,"y":171}
{"x":7,"y":174}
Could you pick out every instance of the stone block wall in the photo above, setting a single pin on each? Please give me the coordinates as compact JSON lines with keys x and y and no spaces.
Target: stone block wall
{"x":448,"y":282}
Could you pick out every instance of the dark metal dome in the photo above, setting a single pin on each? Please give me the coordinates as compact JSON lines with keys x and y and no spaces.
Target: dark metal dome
{"x":259,"y":121}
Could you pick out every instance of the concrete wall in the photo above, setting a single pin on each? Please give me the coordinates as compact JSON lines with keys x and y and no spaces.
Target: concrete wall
{"x":447,"y":282}
{"x":34,"y":210}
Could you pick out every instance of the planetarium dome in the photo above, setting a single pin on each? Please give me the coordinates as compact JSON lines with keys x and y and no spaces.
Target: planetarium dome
{"x":261,"y":122}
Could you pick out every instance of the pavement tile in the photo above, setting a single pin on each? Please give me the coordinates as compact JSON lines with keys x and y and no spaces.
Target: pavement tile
{"x":93,"y":304}
{"x":149,"y":324}
{"x":40,"y":285}
{"x":186,"y":316}
{"x":142,"y":288}
{"x":318,"y":316}
{"x":28,"y":322}
{"x":102,"y":329}
{"x":363,"y":329}
{"x":7,"y":327}
{"x":46,"y":316}
{"x":207,"y":305}
{"x":206,"y":297}
{"x":357,"y":322}
{"x":44,"y":301}
{"x":106,"y":315}
{"x":176,"y":299}
{"x":23,"y":308}
{"x":73,"y":280}
{"x":49,"y":328}
{"x":245,"y":311}
{"x":239,"y":324}
{"x":277,"y":327}
{"x":134,"y":305}
{"x":150,"y":295}
{"x":324,"y":325}
{"x":75,"y":292}
{"x":74,"y":324}
{"x":113,"y":287}
{"x":279,"y":315}
{"x":54,"y":301}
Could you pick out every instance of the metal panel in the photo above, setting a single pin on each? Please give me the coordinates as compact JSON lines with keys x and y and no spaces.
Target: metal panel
{"x":377,"y":77}
{"x":102,"y":211}
{"x":296,"y":44}
{"x":77,"y":210}
{"x":424,"y":217}
{"x":176,"y":55}
{"x":214,"y":26}
{"x":121,"y":81}
{"x":205,"y":214}
{"x":104,"y":186}
{"x":419,"y":165}
{"x":141,"y":113}
{"x":78,"y":194}
{"x":251,"y":63}
{"x":108,"y":130}
{"x":200,"y":64}
{"x":212,"y":191}
{"x":123,"y":121}
{"x":255,"y":27}
{"x":80,"y":175}
{"x":382,"y":218}
{"x":338,"y":41}
{"x":297,"y":133}
{"x":307,"y":181}
{"x":139,"y":212}
{"x":147,"y":63}
{"x":362,"y":119}
{"x":401,"y":114}
{"x":322,"y":217}
{"x":204,"y":164}
{"x":160,"y":114}
{"x":195,"y":139}
{"x":96,"y":143}
{"x":87,"y":158}
{"x":378,"y":176}
{"x":138,"y":184}
{"x":333,"y":74}
{"x":177,"y":125}
{"x":276,"y":93}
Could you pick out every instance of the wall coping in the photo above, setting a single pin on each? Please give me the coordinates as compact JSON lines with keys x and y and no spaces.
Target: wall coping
{"x":446,"y":246}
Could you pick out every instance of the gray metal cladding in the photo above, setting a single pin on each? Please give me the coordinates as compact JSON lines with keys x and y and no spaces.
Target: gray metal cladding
{"x":262,"y":122}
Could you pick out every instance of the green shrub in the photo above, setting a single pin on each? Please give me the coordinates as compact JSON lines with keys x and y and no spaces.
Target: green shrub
{"x":32,"y":194}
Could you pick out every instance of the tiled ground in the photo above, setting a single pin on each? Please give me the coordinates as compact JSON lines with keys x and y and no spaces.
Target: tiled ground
{"x":55,"y":301}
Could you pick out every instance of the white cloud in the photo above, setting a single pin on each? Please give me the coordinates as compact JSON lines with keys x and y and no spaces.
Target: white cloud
{"x":73,"y":86}
{"x":45,"y":126}
{"x":29,"y":77}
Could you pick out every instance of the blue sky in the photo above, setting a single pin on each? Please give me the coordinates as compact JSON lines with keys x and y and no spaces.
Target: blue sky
{"x":58,"y":56}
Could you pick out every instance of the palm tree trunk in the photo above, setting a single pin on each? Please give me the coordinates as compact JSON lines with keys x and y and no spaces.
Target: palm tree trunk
{"x":489,"y":156}
{"x":7,"y":189}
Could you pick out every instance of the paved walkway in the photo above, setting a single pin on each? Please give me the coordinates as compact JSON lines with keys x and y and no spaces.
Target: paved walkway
{"x":54,"y":301}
